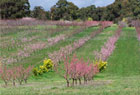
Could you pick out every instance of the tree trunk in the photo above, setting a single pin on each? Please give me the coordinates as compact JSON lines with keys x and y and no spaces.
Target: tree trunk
{"x":68,"y":84}
{"x":25,"y":80}
{"x":76,"y":81}
{"x":84,"y":80}
{"x":20,"y":82}
{"x":72,"y":82}
{"x":80,"y":81}
{"x":5,"y":83}
{"x":14,"y":83}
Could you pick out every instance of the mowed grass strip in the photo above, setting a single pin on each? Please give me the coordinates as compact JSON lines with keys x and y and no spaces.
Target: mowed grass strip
{"x":125,"y":60}
{"x":121,"y":86}
{"x":95,"y":44}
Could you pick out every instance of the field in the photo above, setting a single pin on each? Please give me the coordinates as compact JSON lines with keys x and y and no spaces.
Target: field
{"x":30,"y":45}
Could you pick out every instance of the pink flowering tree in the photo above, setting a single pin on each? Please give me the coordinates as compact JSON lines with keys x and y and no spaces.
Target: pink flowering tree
{"x":108,"y":48}
{"x":15,"y":74}
{"x":64,"y":71}
{"x":5,"y":74}
{"x":76,"y":69}
{"x":27,"y":72}
{"x":105,"y":24}
{"x":137,"y":26}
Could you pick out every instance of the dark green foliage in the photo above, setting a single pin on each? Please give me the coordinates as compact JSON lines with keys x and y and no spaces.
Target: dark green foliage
{"x":122,"y":9}
{"x":11,"y":9}
{"x":84,"y":13}
{"x":99,"y":13}
{"x":64,"y":10}
{"x":39,"y":13}
{"x":115,"y":12}
{"x":35,"y":71}
{"x":48,"y":15}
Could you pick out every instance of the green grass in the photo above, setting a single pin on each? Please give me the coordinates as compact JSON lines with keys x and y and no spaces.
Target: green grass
{"x":40,"y":55}
{"x":95,"y":44}
{"x":40,"y":33}
{"x":125,"y":60}
{"x":122,"y":76}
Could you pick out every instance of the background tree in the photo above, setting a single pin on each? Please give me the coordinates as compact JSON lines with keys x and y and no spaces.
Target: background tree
{"x":64,"y":10}
{"x":39,"y":12}
{"x":135,"y":8}
{"x":98,"y":14}
{"x":85,"y":13}
{"x":123,"y":9}
{"x":11,"y":9}
{"x":48,"y":15}
{"x":71,"y":11}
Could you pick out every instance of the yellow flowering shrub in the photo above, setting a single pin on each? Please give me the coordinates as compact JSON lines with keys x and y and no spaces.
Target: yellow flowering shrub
{"x":101,"y":64}
{"x":47,"y":65}
{"x":43,"y":69}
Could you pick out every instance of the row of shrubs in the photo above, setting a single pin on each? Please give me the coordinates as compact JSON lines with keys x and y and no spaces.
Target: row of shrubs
{"x":76,"y":69}
{"x":16,"y":74}
{"x":21,"y":74}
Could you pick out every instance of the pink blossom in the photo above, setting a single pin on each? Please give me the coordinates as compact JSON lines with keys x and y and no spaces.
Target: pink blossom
{"x":108,"y":47}
{"x":76,"y":69}
{"x":92,"y":23}
{"x":56,"y":39}
{"x":137,"y":26}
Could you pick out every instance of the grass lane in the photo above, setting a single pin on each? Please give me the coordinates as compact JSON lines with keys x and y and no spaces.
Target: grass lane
{"x":125,"y":60}
{"x":87,"y":51}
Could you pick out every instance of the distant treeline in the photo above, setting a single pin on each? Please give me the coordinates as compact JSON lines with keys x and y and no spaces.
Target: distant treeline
{"x":64,"y":10}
